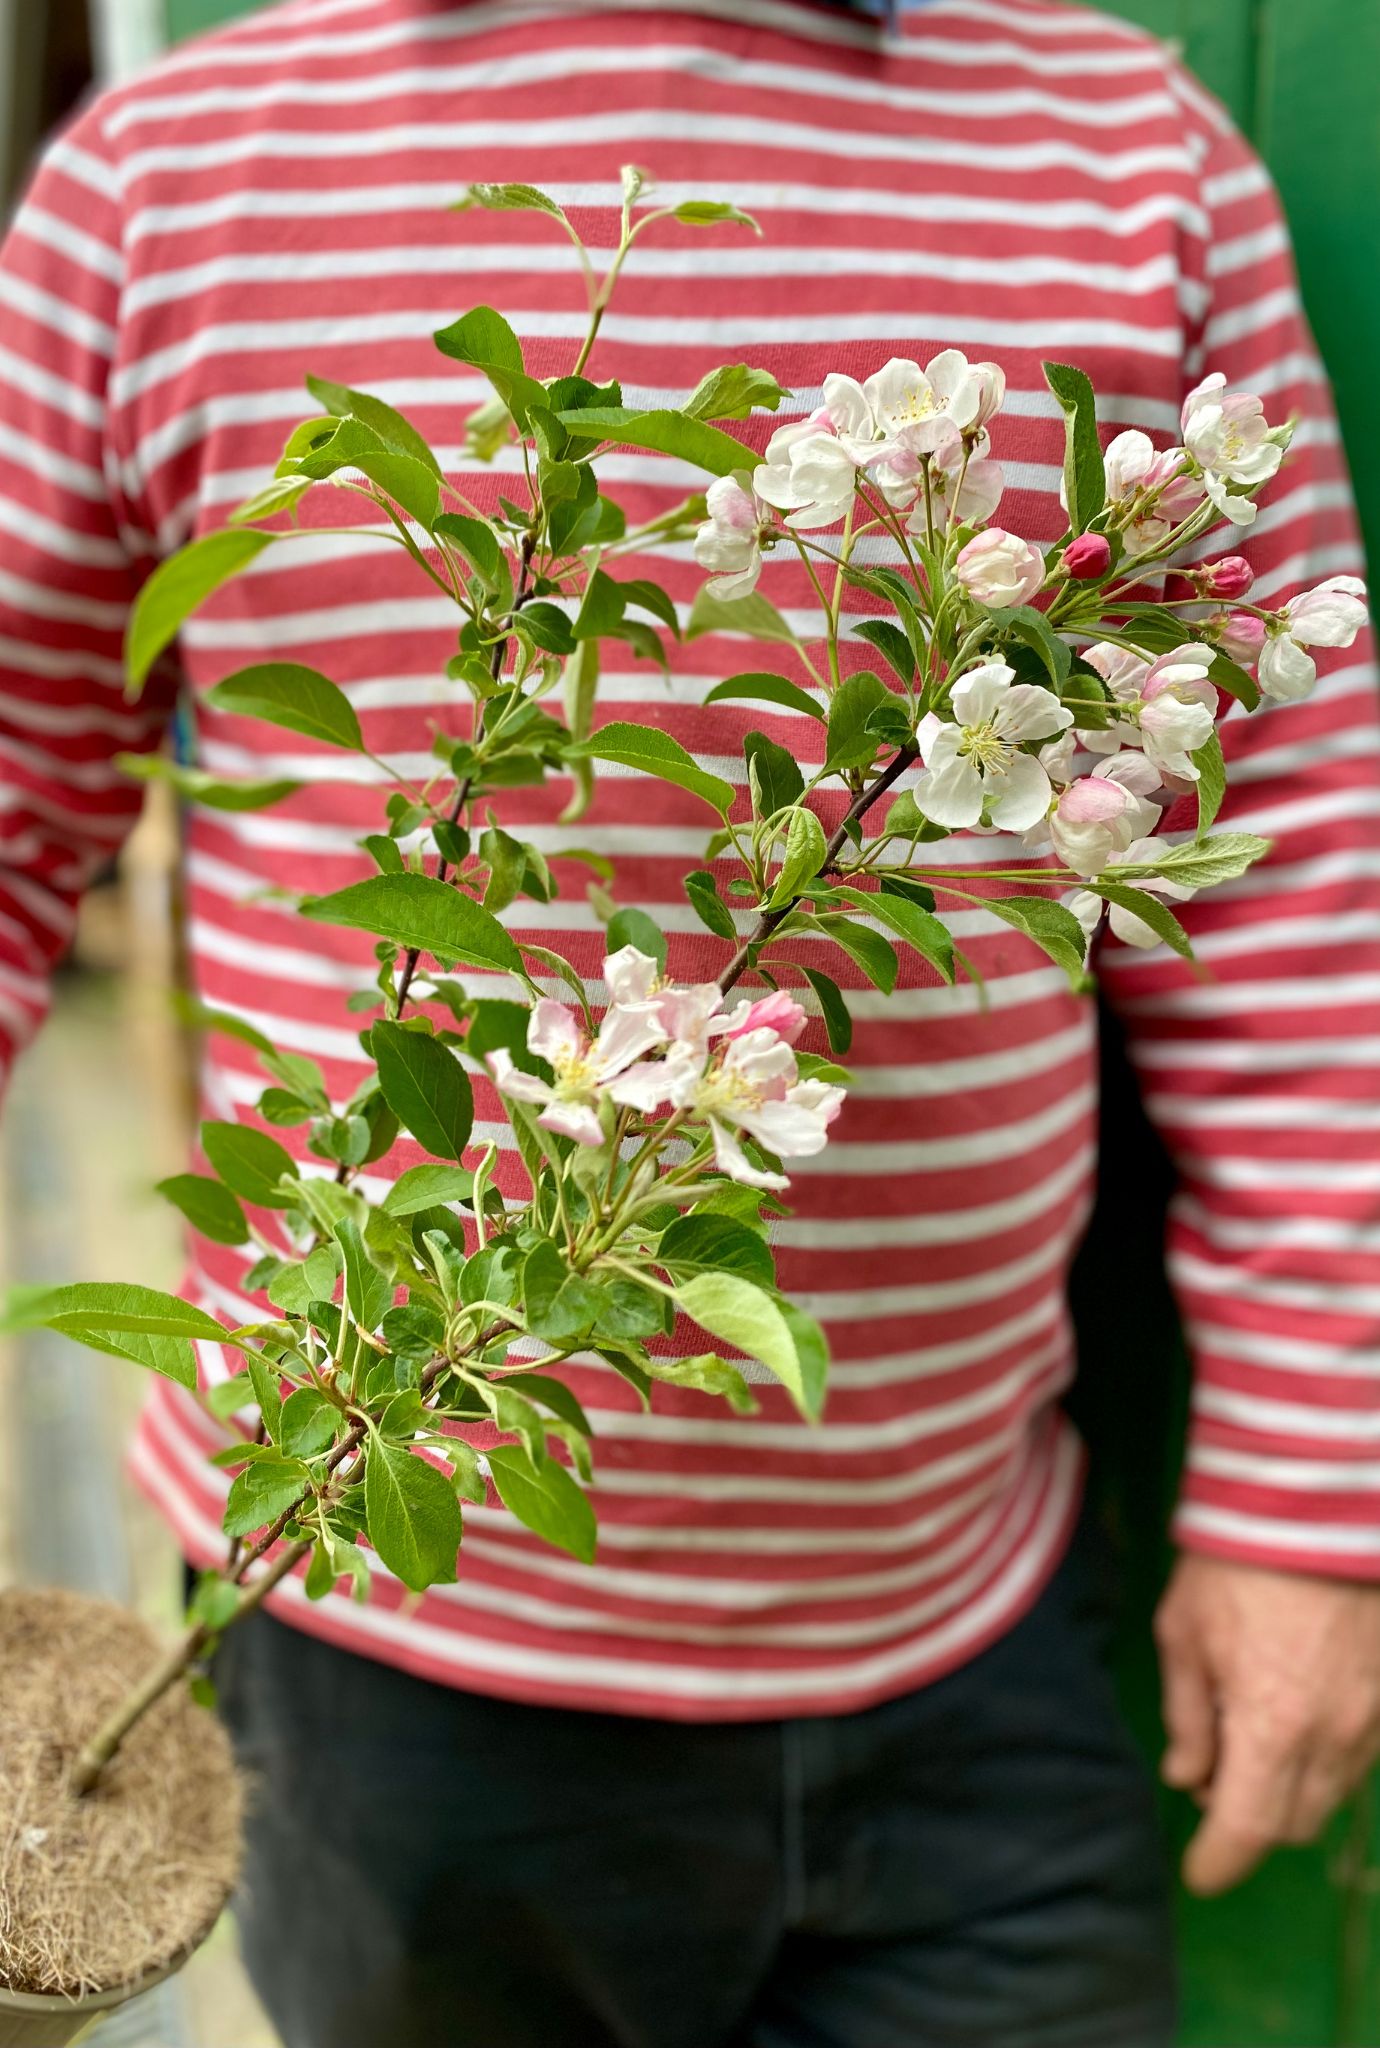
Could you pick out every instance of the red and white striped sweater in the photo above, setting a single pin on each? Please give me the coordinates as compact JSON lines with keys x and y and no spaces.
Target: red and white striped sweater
{"x":1019,"y":178}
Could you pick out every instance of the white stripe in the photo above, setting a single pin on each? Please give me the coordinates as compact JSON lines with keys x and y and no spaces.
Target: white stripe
{"x":776,"y":82}
{"x":341,"y":202}
{"x":1255,"y":1532}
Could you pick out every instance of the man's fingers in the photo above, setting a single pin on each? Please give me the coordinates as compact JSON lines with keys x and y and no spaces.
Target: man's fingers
{"x":1251,"y":1805}
{"x":1190,"y":1716}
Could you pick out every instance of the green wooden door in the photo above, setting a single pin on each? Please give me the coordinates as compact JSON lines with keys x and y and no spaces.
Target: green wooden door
{"x":1286,"y":1961}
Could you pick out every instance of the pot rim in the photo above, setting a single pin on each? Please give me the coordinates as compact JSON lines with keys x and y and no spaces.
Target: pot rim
{"x":90,"y":2001}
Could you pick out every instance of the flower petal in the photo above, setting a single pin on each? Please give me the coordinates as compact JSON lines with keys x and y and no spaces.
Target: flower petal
{"x":731,"y":1159}
{"x":1020,"y":795}
{"x":951,"y":793}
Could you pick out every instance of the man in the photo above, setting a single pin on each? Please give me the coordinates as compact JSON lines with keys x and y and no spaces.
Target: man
{"x":820,"y":1751}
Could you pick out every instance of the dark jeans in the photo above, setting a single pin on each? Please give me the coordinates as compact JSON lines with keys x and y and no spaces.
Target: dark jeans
{"x":976,"y":1863}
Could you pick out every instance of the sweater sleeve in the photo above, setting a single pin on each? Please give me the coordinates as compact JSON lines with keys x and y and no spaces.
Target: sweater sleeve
{"x":1264,"y":1076}
{"x":70,"y":561}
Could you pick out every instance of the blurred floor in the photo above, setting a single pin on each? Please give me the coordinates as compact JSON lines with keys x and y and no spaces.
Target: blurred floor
{"x":98,"y":1111}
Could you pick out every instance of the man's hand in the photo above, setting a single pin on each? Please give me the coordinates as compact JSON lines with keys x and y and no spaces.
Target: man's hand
{"x":1271,"y":1687}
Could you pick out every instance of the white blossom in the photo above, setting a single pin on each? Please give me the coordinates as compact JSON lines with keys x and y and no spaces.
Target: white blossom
{"x":1329,"y":615}
{"x":1228,"y":435}
{"x":998,"y":568}
{"x":730,"y":541}
{"x":754,"y":1087}
{"x":975,"y":765}
{"x":808,"y":474}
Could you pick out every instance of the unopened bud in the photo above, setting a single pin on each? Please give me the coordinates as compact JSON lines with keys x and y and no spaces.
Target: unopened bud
{"x":1229,"y":579}
{"x":1241,"y":636}
{"x":1089,"y":557}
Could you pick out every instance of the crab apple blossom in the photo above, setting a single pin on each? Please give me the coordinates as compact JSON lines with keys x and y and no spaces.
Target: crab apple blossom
{"x":919,"y":409}
{"x":964,"y":483}
{"x":1228,"y":436}
{"x":998,"y":568}
{"x":1227,"y":579}
{"x":1096,"y":819}
{"x":754,"y":1087}
{"x":1329,"y":615}
{"x":975,"y":765}
{"x":1088,"y":558}
{"x":777,"y":1012}
{"x":612,"y":1064}
{"x":808,"y":474}
{"x":730,"y":540}
{"x":1155,"y":480}
{"x":847,"y":413}
{"x":1241,"y":635}
{"x":1130,"y":929}
{"x":1178,"y":711}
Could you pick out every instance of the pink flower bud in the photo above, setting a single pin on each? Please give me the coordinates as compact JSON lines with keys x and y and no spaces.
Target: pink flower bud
{"x":777,"y":1012}
{"x":1230,"y":578}
{"x":998,"y":568}
{"x":1089,"y":557}
{"x":1241,"y":636}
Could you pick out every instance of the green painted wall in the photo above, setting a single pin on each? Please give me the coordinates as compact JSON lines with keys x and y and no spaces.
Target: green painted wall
{"x":1288,"y":1961}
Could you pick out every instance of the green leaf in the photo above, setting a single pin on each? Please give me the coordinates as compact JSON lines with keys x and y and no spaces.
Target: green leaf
{"x":867,"y":948}
{"x":280,"y":494}
{"x":851,"y":745}
{"x":409,"y":483}
{"x":1236,"y":681}
{"x":287,"y":694}
{"x":507,"y":199}
{"x":633,"y":927}
{"x":773,"y":776}
{"x":892,"y":644}
{"x":1051,"y":926}
{"x":766,"y":689}
{"x":264,"y":1490}
{"x":309,"y":1423}
{"x":752,"y":615}
{"x":426,"y":1088}
{"x":652,"y":752}
{"x":545,"y":1500}
{"x":706,"y":1373}
{"x":707,"y":904}
{"x":732,"y":392}
{"x":208,"y":1206}
{"x":1199,"y":863}
{"x":806,"y":852}
{"x":198,"y":787}
{"x":1085,"y":479}
{"x":737,"y":1313}
{"x":838,"y":1023}
{"x":483,"y":339}
{"x":716,"y":1244}
{"x":911,"y":922}
{"x":559,"y":1305}
{"x":1150,"y":910}
{"x":250,"y":1162}
{"x":142,"y":1324}
{"x":641,"y":591}
{"x":705,"y":213}
{"x":422,"y":1187}
{"x":663,"y":432}
{"x":1212,"y":781}
{"x":390,"y":426}
{"x":478,"y":543}
{"x":414,"y":1518}
{"x":368,"y":1292}
{"x":1027,"y":624}
{"x":177,"y":587}
{"x":601,"y":608}
{"x":420,"y":911}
